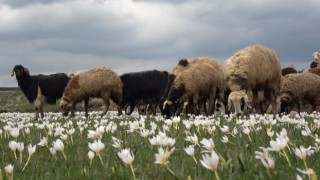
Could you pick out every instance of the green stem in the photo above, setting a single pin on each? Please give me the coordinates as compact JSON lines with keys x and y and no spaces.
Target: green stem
{"x":171,"y":172}
{"x":132,"y":171}
{"x":64,"y":155}
{"x":285,"y":154}
{"x":26,"y":163}
{"x":20,"y":157}
{"x":216,"y":175}
{"x":100,"y":159}
{"x":195,"y":160}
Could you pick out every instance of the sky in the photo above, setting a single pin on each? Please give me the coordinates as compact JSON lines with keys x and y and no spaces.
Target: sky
{"x":51,"y":36}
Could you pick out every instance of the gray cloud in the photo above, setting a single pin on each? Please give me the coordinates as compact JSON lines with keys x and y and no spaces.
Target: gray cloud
{"x":68,"y":35}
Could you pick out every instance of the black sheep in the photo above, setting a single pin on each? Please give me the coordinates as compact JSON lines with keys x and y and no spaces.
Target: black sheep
{"x":40,"y":89}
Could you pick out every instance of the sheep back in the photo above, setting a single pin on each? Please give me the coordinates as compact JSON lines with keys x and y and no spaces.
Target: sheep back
{"x":252,"y":66}
{"x":301,"y":86}
{"x":94,"y":83}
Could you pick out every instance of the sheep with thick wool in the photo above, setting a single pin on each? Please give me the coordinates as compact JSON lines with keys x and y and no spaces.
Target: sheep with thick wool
{"x":301,"y":87}
{"x":101,"y":82}
{"x":315,"y":70}
{"x":183,"y":65}
{"x":198,"y":81}
{"x":250,"y":71}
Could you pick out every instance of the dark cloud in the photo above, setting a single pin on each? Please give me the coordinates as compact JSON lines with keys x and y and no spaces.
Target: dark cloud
{"x":131,"y":35}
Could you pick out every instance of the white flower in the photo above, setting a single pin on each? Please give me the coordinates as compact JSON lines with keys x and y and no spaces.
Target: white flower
{"x":189,"y":150}
{"x":270,"y":133}
{"x":225,"y":139}
{"x":96,"y":146}
{"x":306,"y":132}
{"x":268,"y":163}
{"x":43,"y":142}
{"x":117,"y":143}
{"x":64,"y":137}
{"x":208,"y":144}
{"x":13,"y":145}
{"x":53,"y":151}
{"x":9,"y":169}
{"x":31,"y":149}
{"x":126,"y":156}
{"x":262,"y":155}
{"x":91,"y":155}
{"x":27,"y":130}
{"x":246,"y":130}
{"x":58,"y":145}
{"x":162,"y":157}
{"x":278,"y":144}
{"x":14,"y":132}
{"x":176,"y":119}
{"x":20,"y":146}
{"x":225,"y":129}
{"x":193,"y":139}
{"x":303,"y":152}
{"x":210,"y":162}
{"x":70,"y":131}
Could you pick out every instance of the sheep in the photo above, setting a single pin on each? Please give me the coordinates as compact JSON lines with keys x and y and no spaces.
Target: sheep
{"x":316,"y":57}
{"x":101,"y":82}
{"x":313,"y":65}
{"x":301,"y":87}
{"x":40,"y":89}
{"x":180,"y":67}
{"x":288,"y":70}
{"x":146,"y":86}
{"x":191,"y":85}
{"x":315,"y":70}
{"x":248,"y":71}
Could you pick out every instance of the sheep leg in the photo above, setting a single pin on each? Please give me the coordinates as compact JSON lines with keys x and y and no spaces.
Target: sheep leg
{"x":73,"y":107}
{"x":212,"y":102}
{"x":86,"y":105}
{"x":106,"y":107}
{"x":41,"y":110}
{"x":37,"y":113}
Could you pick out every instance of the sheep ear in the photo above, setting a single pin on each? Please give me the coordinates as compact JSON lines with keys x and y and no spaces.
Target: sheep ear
{"x":167,"y":103}
{"x":26,"y":70}
{"x":13,"y":73}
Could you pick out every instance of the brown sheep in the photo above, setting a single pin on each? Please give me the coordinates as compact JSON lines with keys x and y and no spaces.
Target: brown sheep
{"x":195,"y":82}
{"x":301,"y":87}
{"x":250,"y":70}
{"x":99,"y":82}
{"x":315,"y":70}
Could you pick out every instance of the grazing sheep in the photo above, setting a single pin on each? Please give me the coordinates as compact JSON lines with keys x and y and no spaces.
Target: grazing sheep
{"x":249,"y":71}
{"x":301,"y":87}
{"x":145,"y":86}
{"x":183,"y":65}
{"x":99,"y":82}
{"x":191,"y":85}
{"x":40,"y":89}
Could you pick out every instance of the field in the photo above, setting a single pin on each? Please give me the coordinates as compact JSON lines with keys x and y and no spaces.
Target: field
{"x":257,"y":147}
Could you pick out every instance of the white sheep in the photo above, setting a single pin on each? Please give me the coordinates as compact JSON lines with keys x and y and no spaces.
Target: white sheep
{"x":250,"y":71}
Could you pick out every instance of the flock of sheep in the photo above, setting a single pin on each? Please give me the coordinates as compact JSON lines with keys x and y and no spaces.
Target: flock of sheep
{"x":250,"y":81}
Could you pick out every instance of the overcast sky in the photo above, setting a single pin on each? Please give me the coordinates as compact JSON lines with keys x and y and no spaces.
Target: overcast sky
{"x":50,"y":36}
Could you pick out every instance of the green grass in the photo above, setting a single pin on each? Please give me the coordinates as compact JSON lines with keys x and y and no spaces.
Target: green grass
{"x":237,"y":158}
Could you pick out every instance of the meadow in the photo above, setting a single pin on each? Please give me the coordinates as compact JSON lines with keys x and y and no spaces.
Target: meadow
{"x":150,"y":147}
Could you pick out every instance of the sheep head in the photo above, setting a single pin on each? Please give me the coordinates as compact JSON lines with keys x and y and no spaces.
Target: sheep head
{"x":238,"y":101}
{"x":20,"y":71}
{"x":65,"y":106}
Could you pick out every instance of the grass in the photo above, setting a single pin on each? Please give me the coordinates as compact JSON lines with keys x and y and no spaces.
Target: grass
{"x":237,"y":157}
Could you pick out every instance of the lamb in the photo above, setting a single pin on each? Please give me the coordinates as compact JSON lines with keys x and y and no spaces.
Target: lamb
{"x":301,"y":87}
{"x":250,"y":71}
{"x":191,"y":85}
{"x":40,"y":89}
{"x":101,"y":82}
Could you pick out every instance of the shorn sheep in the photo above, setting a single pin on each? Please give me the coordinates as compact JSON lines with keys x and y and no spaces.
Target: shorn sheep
{"x":40,"y":89}
{"x":301,"y":87}
{"x":99,"y":82}
{"x":250,"y":70}
{"x":201,"y":80}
